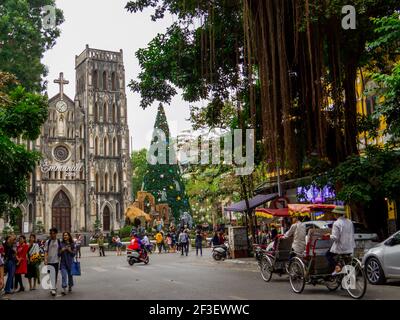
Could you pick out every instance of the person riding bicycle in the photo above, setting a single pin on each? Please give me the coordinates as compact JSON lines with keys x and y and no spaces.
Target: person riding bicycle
{"x":298,"y":232}
{"x":343,"y":239}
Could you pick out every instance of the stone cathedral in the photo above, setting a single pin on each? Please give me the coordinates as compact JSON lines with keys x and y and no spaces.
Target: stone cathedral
{"x":85,"y":172}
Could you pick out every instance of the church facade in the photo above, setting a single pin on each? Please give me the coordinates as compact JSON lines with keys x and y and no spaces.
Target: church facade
{"x":85,"y":172}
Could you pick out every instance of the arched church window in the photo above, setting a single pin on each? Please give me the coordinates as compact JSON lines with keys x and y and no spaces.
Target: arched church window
{"x":115,"y":182}
{"x":114,"y":113}
{"x":30,"y":210}
{"x":96,"y":146}
{"x":114,"y":147}
{"x":81,"y":152}
{"x":105,"y":146}
{"x":97,"y":183}
{"x":95,"y":79}
{"x":104,"y":80}
{"x":105,"y":112}
{"x":118,"y":211}
{"x":96,"y":112}
{"x":114,"y":81}
{"x":106,"y":182}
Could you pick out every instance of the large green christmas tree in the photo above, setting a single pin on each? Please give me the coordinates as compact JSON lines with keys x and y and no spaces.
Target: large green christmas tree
{"x":162,"y":178}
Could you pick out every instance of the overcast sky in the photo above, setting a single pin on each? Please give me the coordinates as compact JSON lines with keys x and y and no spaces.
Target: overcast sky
{"x":105,"y":24}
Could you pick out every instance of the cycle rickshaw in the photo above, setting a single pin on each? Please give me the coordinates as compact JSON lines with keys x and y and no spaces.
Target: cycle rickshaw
{"x":314,"y":268}
{"x":275,"y":261}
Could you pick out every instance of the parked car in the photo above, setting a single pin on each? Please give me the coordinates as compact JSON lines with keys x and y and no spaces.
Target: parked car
{"x":383,"y":261}
{"x":317,"y":224}
{"x":360,"y":232}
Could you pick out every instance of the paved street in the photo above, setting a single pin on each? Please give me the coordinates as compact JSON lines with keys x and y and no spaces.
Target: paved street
{"x":172,"y":277}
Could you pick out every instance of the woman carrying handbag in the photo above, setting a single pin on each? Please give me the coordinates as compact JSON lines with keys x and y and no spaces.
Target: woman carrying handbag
{"x":34,"y":260}
{"x":67,"y":254}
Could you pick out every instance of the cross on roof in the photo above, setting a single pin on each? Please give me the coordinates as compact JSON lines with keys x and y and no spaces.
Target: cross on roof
{"x":61,"y":81}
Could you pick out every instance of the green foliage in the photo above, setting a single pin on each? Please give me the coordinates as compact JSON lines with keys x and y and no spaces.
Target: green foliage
{"x":139,"y":166}
{"x":39,"y":227}
{"x":24,"y":40}
{"x":390,"y":108}
{"x":21,"y":115}
{"x":198,"y":54}
{"x":365,"y":179}
{"x":164,"y":180}
{"x":7,"y":231}
{"x":387,"y":30}
{"x":125,"y":232}
{"x":97,"y":225}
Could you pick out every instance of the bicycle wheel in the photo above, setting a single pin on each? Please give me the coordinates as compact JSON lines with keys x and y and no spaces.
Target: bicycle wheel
{"x":266,"y":268}
{"x":355,"y":280}
{"x":297,"y":275}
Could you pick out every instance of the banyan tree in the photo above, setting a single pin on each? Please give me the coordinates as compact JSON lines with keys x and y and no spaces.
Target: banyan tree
{"x":289,"y":64}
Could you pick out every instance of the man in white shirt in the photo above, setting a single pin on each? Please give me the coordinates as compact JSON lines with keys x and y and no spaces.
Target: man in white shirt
{"x":298,"y":231}
{"x":52,"y":258}
{"x":342,"y":236}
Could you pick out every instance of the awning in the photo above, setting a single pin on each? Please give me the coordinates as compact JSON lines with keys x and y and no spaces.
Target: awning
{"x":292,"y":210}
{"x":271,"y":213}
{"x":258,"y":200}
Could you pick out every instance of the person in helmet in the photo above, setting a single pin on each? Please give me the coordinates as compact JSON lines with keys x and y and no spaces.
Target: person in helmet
{"x":136,"y":245}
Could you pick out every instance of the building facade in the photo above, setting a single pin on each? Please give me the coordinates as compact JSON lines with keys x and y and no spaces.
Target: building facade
{"x":84,"y":176}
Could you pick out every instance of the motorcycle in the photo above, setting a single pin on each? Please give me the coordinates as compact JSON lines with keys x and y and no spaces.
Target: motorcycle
{"x":221,"y":252}
{"x":133,"y":257}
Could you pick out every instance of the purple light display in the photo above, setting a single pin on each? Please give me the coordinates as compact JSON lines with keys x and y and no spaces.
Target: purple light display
{"x":313,"y":194}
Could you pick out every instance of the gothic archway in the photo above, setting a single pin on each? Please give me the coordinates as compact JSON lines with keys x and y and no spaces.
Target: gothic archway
{"x":61,"y":212}
{"x":106,"y":219}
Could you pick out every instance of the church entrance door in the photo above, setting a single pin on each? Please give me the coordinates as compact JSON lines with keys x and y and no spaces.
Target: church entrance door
{"x":61,"y":212}
{"x":106,"y":219}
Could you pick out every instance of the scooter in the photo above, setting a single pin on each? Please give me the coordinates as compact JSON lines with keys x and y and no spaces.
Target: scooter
{"x":221,"y":252}
{"x":134,"y":257}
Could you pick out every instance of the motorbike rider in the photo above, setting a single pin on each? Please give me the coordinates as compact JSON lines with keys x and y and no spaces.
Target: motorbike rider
{"x":136,"y":245}
{"x":343,"y":238}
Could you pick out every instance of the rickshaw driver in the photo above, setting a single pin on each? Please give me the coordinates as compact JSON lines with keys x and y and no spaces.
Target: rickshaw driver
{"x":298,"y":231}
{"x":343,"y":238}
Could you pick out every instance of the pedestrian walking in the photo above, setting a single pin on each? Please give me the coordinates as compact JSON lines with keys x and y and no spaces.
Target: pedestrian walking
{"x":33,"y":263}
{"x":100,"y":242}
{"x":160,"y":241}
{"x":118,"y":245}
{"x":78,"y":243}
{"x":199,"y":243}
{"x":22,"y":263}
{"x":52,"y":259}
{"x":173,"y":242}
{"x":169,"y":242}
{"x":10,"y":257}
{"x":67,"y":253}
{"x":183,"y":240}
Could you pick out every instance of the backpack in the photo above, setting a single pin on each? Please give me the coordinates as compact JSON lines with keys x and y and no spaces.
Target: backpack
{"x":58,"y":241}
